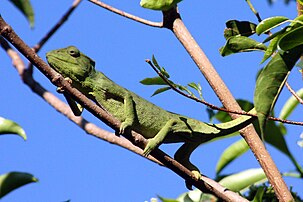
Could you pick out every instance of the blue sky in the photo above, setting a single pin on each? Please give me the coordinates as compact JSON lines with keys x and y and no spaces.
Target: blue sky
{"x":73,"y":165}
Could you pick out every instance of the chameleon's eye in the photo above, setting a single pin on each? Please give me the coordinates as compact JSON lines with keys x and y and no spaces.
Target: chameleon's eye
{"x":74,"y":52}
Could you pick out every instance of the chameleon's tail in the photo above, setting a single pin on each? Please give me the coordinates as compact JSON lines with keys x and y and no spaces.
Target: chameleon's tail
{"x":239,"y":123}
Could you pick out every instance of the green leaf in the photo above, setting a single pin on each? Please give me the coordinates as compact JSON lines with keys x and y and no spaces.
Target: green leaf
{"x":11,"y":127}
{"x":271,"y":81}
{"x":276,"y":34}
{"x":153,"y":81}
{"x":230,"y":153}
{"x":26,"y":8}
{"x":237,"y":44}
{"x":159,"y":4}
{"x":244,"y":179}
{"x":274,"y":136}
{"x":259,"y":195}
{"x":14,"y":180}
{"x":297,"y":22}
{"x":161,"y":90}
{"x":271,"y":48}
{"x":270,"y":23}
{"x":291,"y":39}
{"x":155,"y":62}
{"x":290,"y":105}
{"x":235,"y":27}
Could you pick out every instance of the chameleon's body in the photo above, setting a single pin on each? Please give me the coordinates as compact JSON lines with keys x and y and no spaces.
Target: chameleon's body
{"x":154,"y":123}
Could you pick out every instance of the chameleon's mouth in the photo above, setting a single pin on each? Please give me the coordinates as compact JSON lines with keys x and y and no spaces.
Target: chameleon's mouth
{"x":53,"y":60}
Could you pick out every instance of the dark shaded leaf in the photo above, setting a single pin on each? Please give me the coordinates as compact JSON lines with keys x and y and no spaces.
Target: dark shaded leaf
{"x":11,"y":127}
{"x":14,"y":180}
{"x":270,"y":23}
{"x":270,"y":82}
{"x":26,"y":8}
{"x":259,"y":195}
{"x":237,"y":44}
{"x":243,"y":28}
{"x":291,"y":39}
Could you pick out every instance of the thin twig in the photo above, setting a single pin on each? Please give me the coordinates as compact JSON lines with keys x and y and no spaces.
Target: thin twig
{"x":214,"y":107}
{"x":57,"y":26}
{"x":293,"y":92}
{"x":127,"y":15}
{"x":8,"y":33}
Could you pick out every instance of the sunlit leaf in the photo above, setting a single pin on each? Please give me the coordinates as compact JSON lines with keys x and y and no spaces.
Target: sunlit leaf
{"x":159,"y":4}
{"x":230,"y":153}
{"x":161,"y":90}
{"x":244,"y":179}
{"x":270,"y":49}
{"x":276,"y":34}
{"x":290,"y":105}
{"x":14,"y":180}
{"x":237,"y":44}
{"x":270,"y":23}
{"x":26,"y":8}
{"x":11,"y":127}
{"x":153,"y":81}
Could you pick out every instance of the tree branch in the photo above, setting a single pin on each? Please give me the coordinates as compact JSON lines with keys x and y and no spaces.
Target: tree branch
{"x":208,"y":187}
{"x":127,"y":15}
{"x":214,"y":107}
{"x":172,"y":21}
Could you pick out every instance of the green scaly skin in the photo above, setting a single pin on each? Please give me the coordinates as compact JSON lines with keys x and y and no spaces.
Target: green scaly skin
{"x":135,"y":113}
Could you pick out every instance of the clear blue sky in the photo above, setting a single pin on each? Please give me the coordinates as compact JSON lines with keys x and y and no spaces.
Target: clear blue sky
{"x":73,"y":165}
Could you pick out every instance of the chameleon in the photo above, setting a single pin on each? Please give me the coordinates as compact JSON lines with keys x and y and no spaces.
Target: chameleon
{"x":136,"y":113}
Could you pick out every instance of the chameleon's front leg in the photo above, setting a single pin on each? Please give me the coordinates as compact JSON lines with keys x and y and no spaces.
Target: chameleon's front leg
{"x":159,"y":138}
{"x":76,"y":108}
{"x":130,"y":113}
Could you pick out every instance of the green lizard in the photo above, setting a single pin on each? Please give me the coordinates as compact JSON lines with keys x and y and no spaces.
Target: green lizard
{"x":135,"y":113}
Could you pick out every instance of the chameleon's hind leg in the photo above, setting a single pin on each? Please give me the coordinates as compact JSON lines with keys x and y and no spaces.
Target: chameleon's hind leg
{"x":182,"y":155}
{"x":159,"y":138}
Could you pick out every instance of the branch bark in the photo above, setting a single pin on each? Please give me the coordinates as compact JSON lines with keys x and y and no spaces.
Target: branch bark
{"x":172,"y":21}
{"x":205,"y":184}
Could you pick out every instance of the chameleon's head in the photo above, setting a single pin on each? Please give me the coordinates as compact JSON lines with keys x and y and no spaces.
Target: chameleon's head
{"x":70,"y":62}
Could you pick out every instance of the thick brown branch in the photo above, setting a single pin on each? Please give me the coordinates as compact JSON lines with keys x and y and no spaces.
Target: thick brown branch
{"x":173,"y":22}
{"x":209,"y":187}
{"x":127,"y":15}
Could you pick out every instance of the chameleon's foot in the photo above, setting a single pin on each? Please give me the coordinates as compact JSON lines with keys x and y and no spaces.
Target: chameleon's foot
{"x":123,"y":127}
{"x":196,"y":175}
{"x":60,"y":89}
{"x":151,"y":145}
